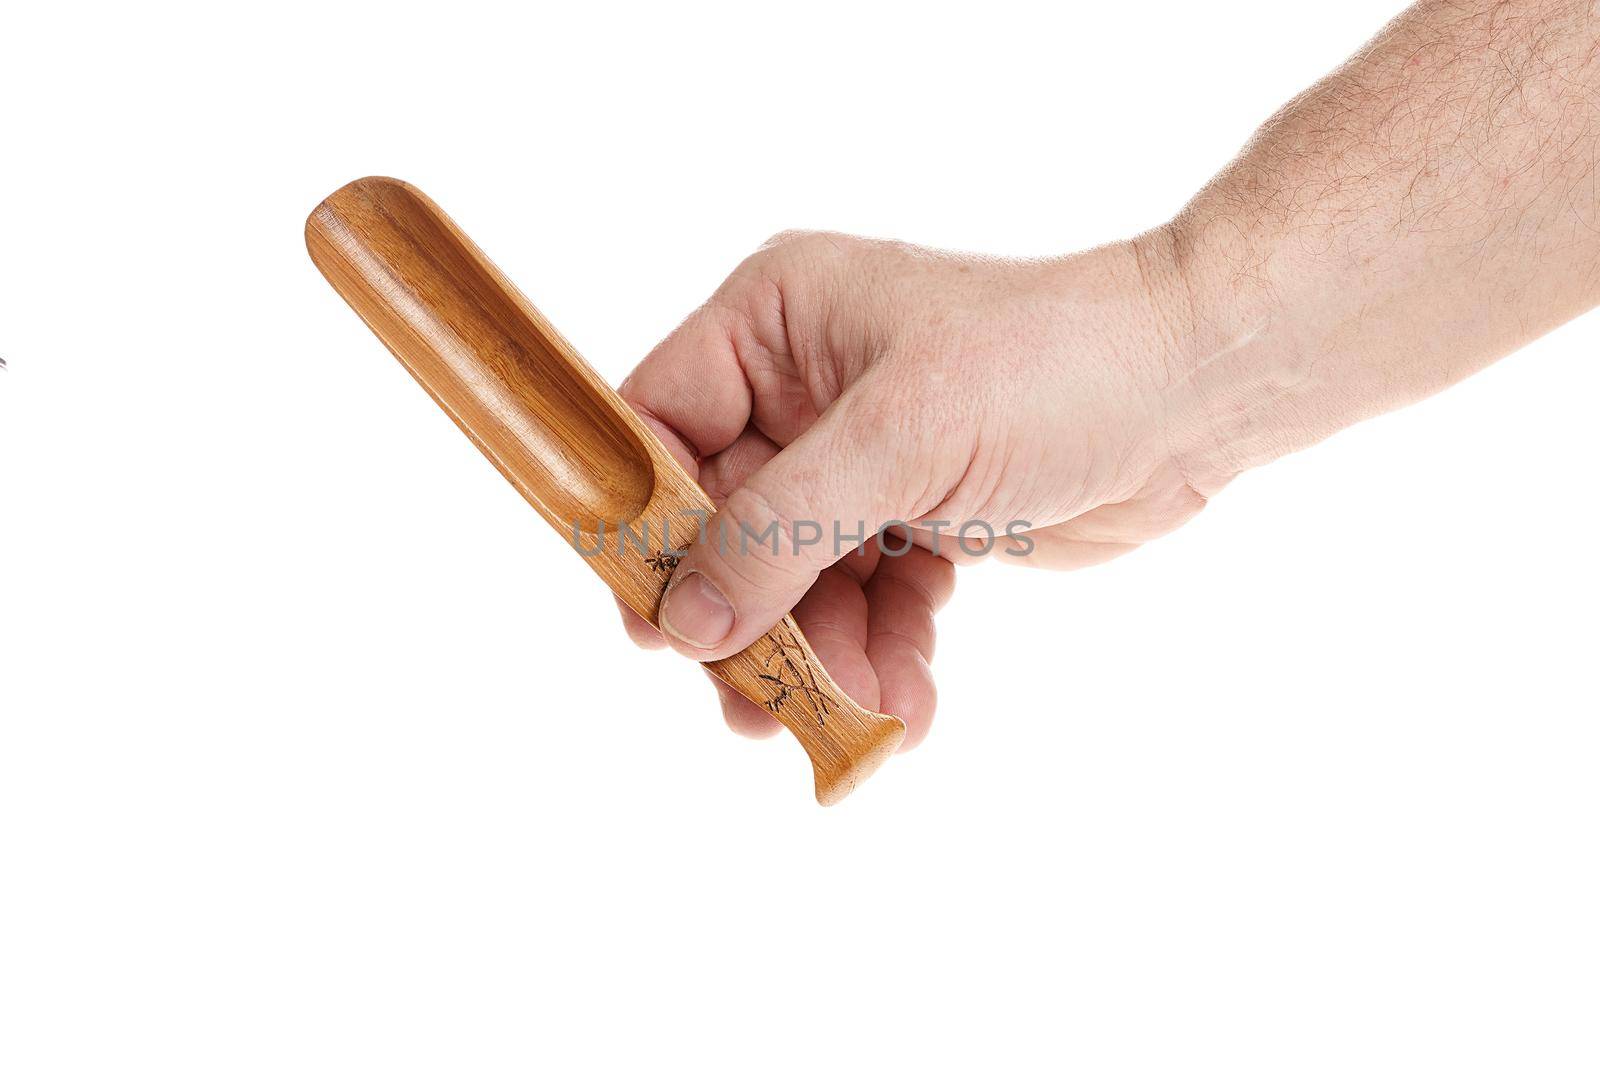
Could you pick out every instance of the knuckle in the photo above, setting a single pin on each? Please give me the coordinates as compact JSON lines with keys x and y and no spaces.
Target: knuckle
{"x":796,"y":238}
{"x":810,"y":244}
{"x":785,"y":237}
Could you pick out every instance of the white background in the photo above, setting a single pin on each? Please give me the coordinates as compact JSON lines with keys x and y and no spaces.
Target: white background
{"x":317,"y":747}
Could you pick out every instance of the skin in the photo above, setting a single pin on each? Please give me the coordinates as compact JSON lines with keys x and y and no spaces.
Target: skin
{"x":1425,"y":209}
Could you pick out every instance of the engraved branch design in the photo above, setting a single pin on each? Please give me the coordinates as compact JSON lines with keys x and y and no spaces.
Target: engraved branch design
{"x":788,"y":667}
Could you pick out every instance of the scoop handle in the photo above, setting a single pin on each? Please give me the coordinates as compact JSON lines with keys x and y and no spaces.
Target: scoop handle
{"x":564,"y":438}
{"x":779,"y":672}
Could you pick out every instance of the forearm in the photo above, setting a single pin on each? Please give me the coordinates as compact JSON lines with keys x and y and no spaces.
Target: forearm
{"x":1427,"y":208}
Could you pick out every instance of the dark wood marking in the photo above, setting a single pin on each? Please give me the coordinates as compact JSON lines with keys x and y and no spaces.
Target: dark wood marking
{"x":789,"y":669}
{"x":662,"y":563}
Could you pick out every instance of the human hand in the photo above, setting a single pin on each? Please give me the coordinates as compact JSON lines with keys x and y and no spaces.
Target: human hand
{"x":835,"y":380}
{"x":1425,"y":209}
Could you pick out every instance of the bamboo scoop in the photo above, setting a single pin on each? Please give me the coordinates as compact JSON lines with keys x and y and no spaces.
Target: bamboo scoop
{"x":569,"y":444}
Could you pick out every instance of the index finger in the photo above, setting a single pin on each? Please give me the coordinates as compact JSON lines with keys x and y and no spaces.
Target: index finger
{"x":691,"y":389}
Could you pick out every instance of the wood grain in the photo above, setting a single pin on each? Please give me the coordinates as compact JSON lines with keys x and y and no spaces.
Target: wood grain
{"x":571,"y":446}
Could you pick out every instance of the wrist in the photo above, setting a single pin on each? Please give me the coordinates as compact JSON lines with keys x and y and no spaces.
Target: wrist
{"x":1255,"y":367}
{"x":1210,"y":362}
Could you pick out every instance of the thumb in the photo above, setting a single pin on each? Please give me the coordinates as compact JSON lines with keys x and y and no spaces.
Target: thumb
{"x":823,"y":496}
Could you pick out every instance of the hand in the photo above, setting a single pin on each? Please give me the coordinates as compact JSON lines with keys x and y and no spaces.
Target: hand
{"x":834,"y":380}
{"x":1425,"y":209}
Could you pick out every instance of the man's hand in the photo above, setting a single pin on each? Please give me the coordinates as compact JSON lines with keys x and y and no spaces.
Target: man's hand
{"x":853,"y":383}
{"x":1425,"y":209}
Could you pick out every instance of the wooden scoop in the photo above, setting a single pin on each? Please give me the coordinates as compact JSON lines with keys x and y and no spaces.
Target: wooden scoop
{"x":569,"y":443}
